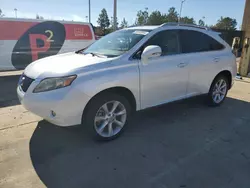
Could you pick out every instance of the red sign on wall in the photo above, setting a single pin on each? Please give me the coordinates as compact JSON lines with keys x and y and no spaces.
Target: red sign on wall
{"x":78,"y":32}
{"x":13,"y":30}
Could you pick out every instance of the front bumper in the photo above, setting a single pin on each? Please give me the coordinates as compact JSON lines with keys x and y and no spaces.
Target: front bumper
{"x":67,"y":103}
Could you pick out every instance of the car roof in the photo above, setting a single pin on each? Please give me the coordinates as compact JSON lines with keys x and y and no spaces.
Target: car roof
{"x":170,"y":24}
{"x":144,"y":27}
{"x":193,"y":27}
{"x":176,"y":26}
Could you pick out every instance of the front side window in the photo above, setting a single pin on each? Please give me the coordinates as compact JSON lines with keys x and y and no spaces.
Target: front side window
{"x":167,"y":40}
{"x":194,"y":41}
{"x":116,"y":43}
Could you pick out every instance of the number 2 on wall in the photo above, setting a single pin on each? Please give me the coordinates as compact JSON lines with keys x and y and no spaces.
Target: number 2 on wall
{"x":51,"y":35}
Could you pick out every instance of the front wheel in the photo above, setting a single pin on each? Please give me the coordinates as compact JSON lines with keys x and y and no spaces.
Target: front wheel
{"x":218,"y":91}
{"x":107,"y":116}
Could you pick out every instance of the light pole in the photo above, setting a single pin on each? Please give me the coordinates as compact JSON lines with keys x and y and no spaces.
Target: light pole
{"x":89,"y":12}
{"x":86,"y":18}
{"x":15,"y":12}
{"x":115,"y":15}
{"x":182,"y":1}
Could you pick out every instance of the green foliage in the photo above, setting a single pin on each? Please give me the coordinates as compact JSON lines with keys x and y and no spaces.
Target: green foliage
{"x":112,"y":23}
{"x":201,"y":23}
{"x":172,"y":15}
{"x":187,"y":20}
{"x":124,"y":23}
{"x":39,"y":17}
{"x":103,"y":20}
{"x":1,"y":13}
{"x":142,"y":17}
{"x":156,"y":18}
{"x":226,"y":23}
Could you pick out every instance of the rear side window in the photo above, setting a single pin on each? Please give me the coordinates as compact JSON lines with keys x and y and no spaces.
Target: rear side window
{"x":194,"y":41}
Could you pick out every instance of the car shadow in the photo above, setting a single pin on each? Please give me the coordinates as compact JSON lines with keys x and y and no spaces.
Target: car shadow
{"x":155,"y":141}
{"x":8,"y":95}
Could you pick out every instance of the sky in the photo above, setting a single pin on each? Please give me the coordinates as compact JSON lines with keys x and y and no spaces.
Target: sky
{"x":77,"y":10}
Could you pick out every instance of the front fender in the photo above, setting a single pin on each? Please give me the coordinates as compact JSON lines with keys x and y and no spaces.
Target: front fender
{"x":94,"y":82}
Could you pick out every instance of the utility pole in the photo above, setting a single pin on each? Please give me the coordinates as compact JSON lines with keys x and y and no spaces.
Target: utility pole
{"x":145,"y":16}
{"x":15,"y":12}
{"x":89,"y":12}
{"x":115,"y":15}
{"x":182,"y":1}
{"x":245,"y":57}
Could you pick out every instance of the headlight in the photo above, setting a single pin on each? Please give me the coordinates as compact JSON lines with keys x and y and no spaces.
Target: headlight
{"x":54,"y":83}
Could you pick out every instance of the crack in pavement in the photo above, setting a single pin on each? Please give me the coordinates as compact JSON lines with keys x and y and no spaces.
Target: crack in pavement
{"x":10,"y":127}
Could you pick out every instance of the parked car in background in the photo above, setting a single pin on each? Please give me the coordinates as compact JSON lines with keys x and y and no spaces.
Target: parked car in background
{"x":128,"y":70}
{"x":23,"y":41}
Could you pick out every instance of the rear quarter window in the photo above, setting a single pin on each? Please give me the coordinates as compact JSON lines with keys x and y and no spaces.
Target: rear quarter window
{"x":194,"y":41}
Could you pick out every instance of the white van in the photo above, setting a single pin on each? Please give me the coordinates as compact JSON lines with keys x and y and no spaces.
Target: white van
{"x":23,"y":41}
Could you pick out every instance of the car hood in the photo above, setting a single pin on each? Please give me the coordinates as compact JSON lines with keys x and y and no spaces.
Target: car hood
{"x":60,"y":65}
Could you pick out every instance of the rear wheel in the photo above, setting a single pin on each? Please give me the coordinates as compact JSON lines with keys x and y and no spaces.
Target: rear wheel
{"x":218,"y":91}
{"x":107,"y":116}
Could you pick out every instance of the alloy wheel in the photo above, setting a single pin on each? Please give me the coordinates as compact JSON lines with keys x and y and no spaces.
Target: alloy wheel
{"x":219,"y":91}
{"x":110,"y":118}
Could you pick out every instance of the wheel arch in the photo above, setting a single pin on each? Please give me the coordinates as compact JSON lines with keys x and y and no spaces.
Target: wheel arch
{"x":227,"y":74}
{"x":123,"y":91}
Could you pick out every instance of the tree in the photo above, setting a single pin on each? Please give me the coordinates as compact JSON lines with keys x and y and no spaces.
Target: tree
{"x":39,"y":17}
{"x":172,"y":15}
{"x":226,"y":23}
{"x":124,"y":23}
{"x":142,"y":17}
{"x":156,"y":18}
{"x":187,"y":20}
{"x":1,"y":13}
{"x":112,"y":23}
{"x":103,"y":20}
{"x":201,"y":22}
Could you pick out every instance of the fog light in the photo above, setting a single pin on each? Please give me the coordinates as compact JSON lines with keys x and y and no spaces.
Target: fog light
{"x":53,"y":114}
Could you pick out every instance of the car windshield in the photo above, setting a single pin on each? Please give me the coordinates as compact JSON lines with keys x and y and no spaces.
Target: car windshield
{"x":116,"y":43}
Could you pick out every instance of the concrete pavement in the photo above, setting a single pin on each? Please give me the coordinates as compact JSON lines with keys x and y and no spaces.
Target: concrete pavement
{"x":183,"y":144}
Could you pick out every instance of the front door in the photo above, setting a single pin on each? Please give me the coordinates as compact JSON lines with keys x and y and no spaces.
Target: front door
{"x":164,"y":78}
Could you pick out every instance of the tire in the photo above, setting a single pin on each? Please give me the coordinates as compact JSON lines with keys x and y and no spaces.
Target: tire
{"x":221,"y":91}
{"x":98,"y":120}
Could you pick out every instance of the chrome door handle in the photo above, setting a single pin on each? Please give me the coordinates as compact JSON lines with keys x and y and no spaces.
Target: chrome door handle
{"x":181,"y":65}
{"x":216,"y":59}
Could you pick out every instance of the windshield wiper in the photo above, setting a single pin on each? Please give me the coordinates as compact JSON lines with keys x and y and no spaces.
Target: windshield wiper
{"x":95,"y":54}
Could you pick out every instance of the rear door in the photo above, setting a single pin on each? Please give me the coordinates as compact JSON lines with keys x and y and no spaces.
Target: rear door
{"x":204,"y":55}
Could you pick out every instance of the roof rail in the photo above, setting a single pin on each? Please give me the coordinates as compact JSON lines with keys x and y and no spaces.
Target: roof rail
{"x":183,"y":24}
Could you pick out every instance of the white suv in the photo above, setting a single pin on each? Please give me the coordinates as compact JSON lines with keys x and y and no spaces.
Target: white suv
{"x":128,"y":70}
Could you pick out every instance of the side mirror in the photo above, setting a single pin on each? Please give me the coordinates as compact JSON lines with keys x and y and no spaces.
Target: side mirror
{"x":150,"y":52}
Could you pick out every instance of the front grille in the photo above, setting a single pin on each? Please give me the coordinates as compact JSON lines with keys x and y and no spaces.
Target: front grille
{"x":25,"y":82}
